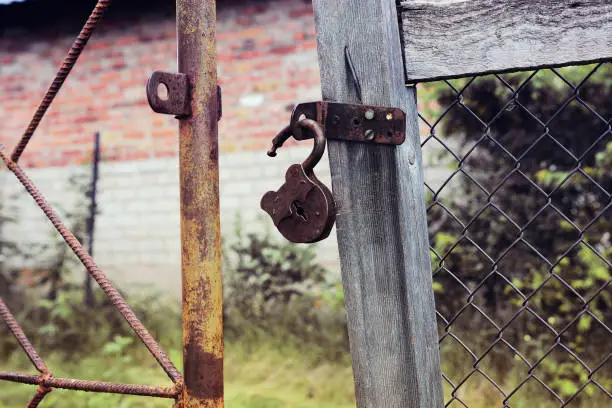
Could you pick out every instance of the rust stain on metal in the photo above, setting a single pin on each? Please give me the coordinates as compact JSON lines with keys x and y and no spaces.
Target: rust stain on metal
{"x":200,"y":218}
{"x":204,"y":386}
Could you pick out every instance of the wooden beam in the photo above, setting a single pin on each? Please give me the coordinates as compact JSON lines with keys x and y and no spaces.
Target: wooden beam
{"x":452,"y":38}
{"x":381,"y":223}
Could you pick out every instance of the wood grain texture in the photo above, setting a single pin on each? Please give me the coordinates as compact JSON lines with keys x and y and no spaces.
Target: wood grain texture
{"x":381,"y":224}
{"x":451,"y":38}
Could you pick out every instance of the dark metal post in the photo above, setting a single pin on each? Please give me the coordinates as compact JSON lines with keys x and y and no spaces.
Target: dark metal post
{"x":200,"y":219}
{"x":91,"y":219}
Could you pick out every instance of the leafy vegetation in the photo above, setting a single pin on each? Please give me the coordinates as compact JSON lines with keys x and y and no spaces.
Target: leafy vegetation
{"x":530,"y":224}
{"x":8,"y":249}
{"x":278,"y":290}
{"x":285,"y":335}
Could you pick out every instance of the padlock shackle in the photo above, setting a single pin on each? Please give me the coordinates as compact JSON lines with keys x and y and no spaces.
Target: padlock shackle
{"x":279,"y":139}
{"x":303,"y":209}
{"x":319,"y":144}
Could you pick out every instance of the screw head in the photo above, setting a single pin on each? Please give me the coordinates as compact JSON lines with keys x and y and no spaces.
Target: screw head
{"x":369,"y":134}
{"x":369,"y":114}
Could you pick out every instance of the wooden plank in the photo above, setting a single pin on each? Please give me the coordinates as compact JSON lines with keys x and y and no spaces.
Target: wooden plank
{"x":381,"y":224}
{"x":451,"y":38}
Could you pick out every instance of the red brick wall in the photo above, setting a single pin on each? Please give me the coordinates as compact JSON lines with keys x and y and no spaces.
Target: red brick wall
{"x":267,"y":62}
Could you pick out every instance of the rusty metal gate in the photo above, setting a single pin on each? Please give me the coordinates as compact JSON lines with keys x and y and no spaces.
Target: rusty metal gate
{"x":202,"y":382}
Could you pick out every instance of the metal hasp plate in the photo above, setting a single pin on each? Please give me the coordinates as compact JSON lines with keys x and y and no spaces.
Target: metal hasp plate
{"x":357,"y":123}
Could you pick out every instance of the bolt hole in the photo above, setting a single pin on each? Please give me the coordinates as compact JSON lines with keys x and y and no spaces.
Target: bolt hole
{"x":299,"y":210}
{"x":356,"y":121}
{"x":389,"y":133}
{"x":162,"y":91}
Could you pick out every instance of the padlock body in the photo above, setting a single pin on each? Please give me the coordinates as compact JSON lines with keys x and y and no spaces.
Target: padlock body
{"x":303,"y":209}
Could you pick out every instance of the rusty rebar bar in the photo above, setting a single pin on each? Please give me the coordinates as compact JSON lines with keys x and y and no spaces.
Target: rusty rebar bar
{"x":62,"y":74}
{"x":40,"y":394}
{"x":91,"y":386}
{"x":91,"y":266}
{"x":22,"y":339}
{"x":42,"y":391}
{"x":200,"y":216}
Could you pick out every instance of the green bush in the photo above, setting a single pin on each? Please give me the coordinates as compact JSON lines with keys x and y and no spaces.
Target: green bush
{"x":64,"y":326}
{"x":278,"y":290}
{"x":273,"y":290}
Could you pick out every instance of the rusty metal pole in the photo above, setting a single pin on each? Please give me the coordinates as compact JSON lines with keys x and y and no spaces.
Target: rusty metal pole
{"x":200,"y":218}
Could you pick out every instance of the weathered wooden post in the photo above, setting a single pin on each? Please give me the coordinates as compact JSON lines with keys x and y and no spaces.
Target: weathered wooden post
{"x":382,"y":229}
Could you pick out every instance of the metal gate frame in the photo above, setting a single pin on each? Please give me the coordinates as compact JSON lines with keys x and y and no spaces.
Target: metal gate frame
{"x":202,"y":382}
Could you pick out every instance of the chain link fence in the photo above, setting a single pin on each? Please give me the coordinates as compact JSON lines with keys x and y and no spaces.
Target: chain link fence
{"x":519,"y":189}
{"x":45,"y":379}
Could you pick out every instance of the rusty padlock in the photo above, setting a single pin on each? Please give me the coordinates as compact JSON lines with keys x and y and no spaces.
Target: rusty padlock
{"x":303,"y":209}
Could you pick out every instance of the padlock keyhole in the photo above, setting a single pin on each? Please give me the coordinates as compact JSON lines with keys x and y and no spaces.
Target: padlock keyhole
{"x":299,"y":210}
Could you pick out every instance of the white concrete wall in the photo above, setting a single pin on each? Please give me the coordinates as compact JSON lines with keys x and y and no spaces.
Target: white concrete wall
{"x":137,"y":236}
{"x":137,"y":228}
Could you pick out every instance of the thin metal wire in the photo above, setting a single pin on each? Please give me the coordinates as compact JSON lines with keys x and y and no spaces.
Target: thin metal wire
{"x":46,"y":382}
{"x":498,"y":331}
{"x":42,"y":391}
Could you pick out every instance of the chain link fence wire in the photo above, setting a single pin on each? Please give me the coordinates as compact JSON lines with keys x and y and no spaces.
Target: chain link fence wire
{"x":519,"y":188}
{"x":45,"y":380}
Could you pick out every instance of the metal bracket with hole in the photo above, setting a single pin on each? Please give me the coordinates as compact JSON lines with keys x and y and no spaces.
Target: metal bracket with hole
{"x":176,"y":100}
{"x":357,"y":123}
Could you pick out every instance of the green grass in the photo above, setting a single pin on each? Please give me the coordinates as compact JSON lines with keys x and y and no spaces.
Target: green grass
{"x":255,"y":377}
{"x":269,"y":375}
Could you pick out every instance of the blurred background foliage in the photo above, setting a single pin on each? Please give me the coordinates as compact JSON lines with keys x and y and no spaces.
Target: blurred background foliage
{"x":526,"y":221}
{"x":285,"y":324}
